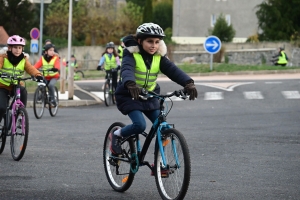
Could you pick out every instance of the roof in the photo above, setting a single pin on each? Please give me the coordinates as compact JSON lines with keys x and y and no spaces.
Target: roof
{"x":3,"y":36}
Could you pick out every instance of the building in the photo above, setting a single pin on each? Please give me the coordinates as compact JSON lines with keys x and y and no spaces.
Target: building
{"x":3,"y":37}
{"x":193,"y":18}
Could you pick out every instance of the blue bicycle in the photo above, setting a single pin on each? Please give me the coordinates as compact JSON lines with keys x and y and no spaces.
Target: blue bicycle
{"x":172,"y":165}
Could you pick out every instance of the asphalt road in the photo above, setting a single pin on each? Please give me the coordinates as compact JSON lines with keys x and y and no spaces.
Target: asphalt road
{"x":242,"y":147}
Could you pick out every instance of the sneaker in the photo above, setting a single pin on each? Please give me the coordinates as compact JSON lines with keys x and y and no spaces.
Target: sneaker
{"x":53,"y":103}
{"x":164,"y":172}
{"x":115,"y":146}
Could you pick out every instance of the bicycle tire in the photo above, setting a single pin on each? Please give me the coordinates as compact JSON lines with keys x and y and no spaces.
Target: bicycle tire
{"x":38,"y":102}
{"x":2,"y":135}
{"x":80,"y":74}
{"x":107,"y":95}
{"x":53,"y":110}
{"x":18,"y":142}
{"x":123,"y":181}
{"x":172,"y":180}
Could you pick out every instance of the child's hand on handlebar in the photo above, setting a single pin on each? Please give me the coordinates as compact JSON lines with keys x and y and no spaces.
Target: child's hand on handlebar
{"x":54,"y":69}
{"x":40,"y":79}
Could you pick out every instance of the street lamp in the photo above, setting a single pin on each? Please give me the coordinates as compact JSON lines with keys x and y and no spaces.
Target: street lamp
{"x":70,"y":69}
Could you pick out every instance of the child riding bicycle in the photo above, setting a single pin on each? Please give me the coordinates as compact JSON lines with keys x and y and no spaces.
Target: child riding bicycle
{"x":143,"y":58}
{"x":111,"y":62}
{"x":14,"y":63}
{"x":50,"y":61}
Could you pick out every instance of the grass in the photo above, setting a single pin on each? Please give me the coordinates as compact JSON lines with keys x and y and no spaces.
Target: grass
{"x":223,"y":67}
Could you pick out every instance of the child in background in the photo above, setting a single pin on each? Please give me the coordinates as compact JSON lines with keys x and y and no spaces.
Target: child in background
{"x":14,"y":62}
{"x":50,"y":61}
{"x":111,"y":62}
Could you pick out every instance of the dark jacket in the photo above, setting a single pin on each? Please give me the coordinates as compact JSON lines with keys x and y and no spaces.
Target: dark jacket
{"x":124,"y":100}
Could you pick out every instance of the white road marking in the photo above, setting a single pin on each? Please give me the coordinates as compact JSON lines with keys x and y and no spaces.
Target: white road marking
{"x":213,"y":96}
{"x":253,"y":95}
{"x":291,"y":94}
{"x":99,"y":94}
{"x":65,"y":96}
{"x":273,"y":82}
{"x":224,"y":86}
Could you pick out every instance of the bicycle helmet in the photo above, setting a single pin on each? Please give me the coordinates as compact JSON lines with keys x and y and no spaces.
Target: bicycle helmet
{"x":281,"y":48}
{"x":150,"y":30}
{"x":15,"y":40}
{"x":48,"y":46}
{"x":110,"y":45}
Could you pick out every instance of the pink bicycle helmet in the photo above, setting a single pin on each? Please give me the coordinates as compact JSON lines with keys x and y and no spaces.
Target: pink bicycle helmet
{"x":16,"y":40}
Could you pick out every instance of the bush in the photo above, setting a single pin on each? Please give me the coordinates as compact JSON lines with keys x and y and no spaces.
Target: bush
{"x":222,"y":30}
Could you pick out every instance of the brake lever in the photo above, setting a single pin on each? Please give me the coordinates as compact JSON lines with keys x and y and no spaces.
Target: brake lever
{"x":183,"y":94}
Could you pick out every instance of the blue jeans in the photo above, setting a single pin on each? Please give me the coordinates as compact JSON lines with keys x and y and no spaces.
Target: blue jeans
{"x":51,"y":86}
{"x":138,"y":122}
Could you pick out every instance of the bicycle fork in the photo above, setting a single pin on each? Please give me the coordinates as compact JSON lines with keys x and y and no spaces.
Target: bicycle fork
{"x":161,"y":144}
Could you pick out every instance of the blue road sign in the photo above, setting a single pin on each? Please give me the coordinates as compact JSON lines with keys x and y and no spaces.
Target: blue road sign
{"x":34,"y":46}
{"x":212,"y":44}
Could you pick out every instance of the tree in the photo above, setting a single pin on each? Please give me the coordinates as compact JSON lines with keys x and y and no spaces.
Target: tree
{"x":140,"y":3}
{"x":129,"y":19}
{"x":222,"y":30}
{"x":163,"y":14}
{"x":17,"y":17}
{"x":278,"y":19}
{"x":148,"y":12}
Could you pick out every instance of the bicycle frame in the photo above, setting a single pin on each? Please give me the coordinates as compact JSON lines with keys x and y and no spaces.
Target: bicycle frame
{"x":16,"y":103}
{"x":14,"y":106}
{"x":159,"y":125}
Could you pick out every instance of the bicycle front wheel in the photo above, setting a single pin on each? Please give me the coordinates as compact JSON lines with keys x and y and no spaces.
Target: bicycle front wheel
{"x":19,"y":136}
{"x":107,"y":93}
{"x":53,"y":110}
{"x":2,"y":135}
{"x":173,"y":178}
{"x":118,"y":171}
{"x":38,"y":103}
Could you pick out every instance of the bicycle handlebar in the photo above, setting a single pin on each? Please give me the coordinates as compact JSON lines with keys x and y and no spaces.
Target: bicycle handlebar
{"x":5,"y":75}
{"x":150,"y":94}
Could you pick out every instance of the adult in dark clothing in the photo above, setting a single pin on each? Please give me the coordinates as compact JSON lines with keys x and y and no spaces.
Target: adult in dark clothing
{"x":143,"y":58}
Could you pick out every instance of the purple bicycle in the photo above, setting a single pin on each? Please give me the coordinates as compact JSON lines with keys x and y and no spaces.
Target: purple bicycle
{"x":15,"y":122}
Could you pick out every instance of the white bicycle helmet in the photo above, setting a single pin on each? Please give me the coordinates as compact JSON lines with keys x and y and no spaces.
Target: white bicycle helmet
{"x":110,"y":45}
{"x":15,"y":40}
{"x":150,"y":29}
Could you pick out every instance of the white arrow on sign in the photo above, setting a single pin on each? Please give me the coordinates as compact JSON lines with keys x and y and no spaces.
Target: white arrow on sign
{"x":214,"y":45}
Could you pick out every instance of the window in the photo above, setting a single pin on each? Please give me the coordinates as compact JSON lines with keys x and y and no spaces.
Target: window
{"x":213,"y":20}
{"x":227,"y":17}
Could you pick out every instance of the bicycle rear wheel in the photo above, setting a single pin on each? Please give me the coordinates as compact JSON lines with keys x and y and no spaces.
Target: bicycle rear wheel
{"x":53,"y":110}
{"x":2,"y":134}
{"x":38,"y":103}
{"x":172,"y":180}
{"x":118,"y":171}
{"x":78,"y":75}
{"x":18,"y":142}
{"x":107,"y":93}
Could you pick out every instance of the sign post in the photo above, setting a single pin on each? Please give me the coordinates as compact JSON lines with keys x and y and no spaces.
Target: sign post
{"x":212,"y":45}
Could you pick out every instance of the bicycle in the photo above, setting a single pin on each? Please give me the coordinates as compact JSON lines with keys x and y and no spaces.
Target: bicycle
{"x":41,"y":99}
{"x":172,"y":165}
{"x":78,"y":74}
{"x":109,"y":90}
{"x":15,"y":122}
